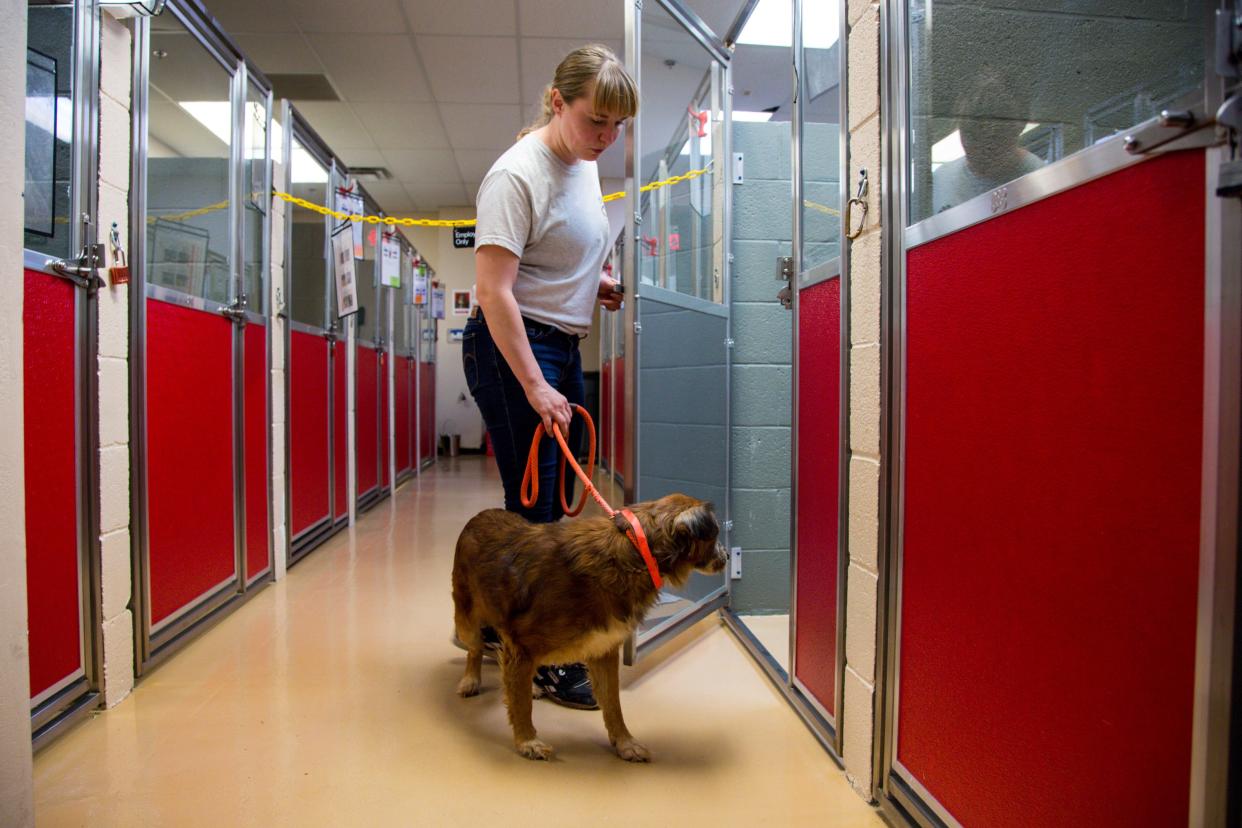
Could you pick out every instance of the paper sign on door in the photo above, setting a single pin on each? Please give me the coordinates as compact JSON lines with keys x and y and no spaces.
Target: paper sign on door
{"x":343,"y":271}
{"x":390,"y":262}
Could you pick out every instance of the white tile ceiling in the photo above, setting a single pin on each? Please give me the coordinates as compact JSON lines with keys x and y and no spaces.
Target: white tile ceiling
{"x":431,"y":89}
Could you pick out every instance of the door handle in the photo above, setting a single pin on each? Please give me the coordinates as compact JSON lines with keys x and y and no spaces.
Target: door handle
{"x":82,"y":271}
{"x":236,"y":310}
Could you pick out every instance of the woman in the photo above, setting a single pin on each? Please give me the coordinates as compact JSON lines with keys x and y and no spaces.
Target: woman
{"x":541,"y":238}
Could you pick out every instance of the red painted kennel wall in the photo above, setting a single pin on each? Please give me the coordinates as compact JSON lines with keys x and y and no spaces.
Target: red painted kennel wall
{"x":258,"y":534}
{"x":50,"y":399}
{"x":366,"y":419}
{"x":189,"y":454}
{"x":819,"y":451}
{"x":1055,"y":366}
{"x":309,"y":438}
{"x":340,"y":428}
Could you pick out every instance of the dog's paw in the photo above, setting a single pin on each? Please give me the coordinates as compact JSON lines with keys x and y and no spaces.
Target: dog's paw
{"x":535,"y":749}
{"x":632,"y":751}
{"x":468,"y":686}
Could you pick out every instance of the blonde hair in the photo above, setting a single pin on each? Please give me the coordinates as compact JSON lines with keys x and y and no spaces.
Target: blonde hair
{"x":590,"y":66}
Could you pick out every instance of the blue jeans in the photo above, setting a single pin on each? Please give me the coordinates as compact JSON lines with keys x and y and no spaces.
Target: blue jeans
{"x":509,"y":418}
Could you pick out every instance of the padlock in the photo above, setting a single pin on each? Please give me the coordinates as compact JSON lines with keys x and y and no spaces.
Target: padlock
{"x":118,"y":273}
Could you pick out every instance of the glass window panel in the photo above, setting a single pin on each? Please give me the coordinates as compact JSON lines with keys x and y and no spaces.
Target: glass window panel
{"x":190,"y":124}
{"x":1000,"y":88}
{"x":681,"y":234}
{"x":255,"y":206}
{"x":366,"y":274}
{"x":49,"y":130}
{"x":309,"y":279}
{"x":821,"y":135}
{"x":401,"y":298}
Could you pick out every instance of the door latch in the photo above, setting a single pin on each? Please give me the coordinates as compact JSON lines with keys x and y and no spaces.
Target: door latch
{"x":236,"y":310}
{"x":785,"y":273}
{"x":82,"y":271}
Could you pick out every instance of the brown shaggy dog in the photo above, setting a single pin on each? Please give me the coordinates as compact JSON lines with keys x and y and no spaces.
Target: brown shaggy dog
{"x":559,"y":593}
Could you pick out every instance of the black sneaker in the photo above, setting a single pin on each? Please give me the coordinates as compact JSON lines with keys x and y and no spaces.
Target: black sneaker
{"x":567,"y":685}
{"x":491,"y":643}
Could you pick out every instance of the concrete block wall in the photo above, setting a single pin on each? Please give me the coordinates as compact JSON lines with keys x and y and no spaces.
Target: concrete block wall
{"x":862,"y":579}
{"x":761,"y":374}
{"x":114,"y":450}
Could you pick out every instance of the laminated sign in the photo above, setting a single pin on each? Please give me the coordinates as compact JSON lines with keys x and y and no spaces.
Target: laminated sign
{"x":351,"y":203}
{"x":437,"y":303}
{"x":390,"y":262}
{"x":343,"y":272}
{"x":420,"y":284}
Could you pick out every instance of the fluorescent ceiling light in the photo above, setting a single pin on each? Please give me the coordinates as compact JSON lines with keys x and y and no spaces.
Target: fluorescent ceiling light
{"x":948,"y":148}
{"x":305,"y":169}
{"x":743,"y":115}
{"x":771,"y":24}
{"x":217,"y":117}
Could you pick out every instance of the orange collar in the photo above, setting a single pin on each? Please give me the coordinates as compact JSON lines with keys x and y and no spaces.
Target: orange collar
{"x":639,"y":539}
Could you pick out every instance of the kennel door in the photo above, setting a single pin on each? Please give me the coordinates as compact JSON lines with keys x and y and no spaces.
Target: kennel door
{"x":676,"y":322}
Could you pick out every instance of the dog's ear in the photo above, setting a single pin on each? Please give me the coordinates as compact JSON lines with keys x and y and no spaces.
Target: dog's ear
{"x":698,"y":521}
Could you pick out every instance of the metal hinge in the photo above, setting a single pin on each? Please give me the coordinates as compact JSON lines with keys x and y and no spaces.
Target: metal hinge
{"x":638,"y":328}
{"x":729,"y":343}
{"x":784,"y":268}
{"x":728,"y":526}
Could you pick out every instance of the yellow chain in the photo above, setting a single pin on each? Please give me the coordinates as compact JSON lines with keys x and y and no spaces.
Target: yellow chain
{"x":413,"y":222}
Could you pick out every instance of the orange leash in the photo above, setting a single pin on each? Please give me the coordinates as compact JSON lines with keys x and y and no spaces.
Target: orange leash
{"x":530,"y":489}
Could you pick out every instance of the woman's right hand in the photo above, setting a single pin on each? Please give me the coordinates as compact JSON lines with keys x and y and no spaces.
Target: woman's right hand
{"x":551,"y":406}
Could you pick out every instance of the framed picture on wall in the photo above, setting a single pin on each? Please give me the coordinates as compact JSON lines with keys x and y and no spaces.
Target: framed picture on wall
{"x":177,"y":256}
{"x":461,"y":303}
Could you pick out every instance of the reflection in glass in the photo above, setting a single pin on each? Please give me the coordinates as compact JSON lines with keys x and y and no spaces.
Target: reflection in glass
{"x":681,"y":234}
{"x":254,"y":176}
{"x":49,"y":130}
{"x":996,"y":95}
{"x":190,"y":124}
{"x":821,"y":135}
{"x":309,"y":279}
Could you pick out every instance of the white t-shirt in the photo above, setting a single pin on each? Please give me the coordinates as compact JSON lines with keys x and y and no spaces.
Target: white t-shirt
{"x":551,"y":216}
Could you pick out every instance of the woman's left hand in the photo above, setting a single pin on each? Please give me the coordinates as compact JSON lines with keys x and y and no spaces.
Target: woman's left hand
{"x":609,"y":297}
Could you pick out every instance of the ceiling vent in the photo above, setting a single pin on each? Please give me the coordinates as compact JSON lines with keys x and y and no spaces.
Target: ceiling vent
{"x":370,"y":173}
{"x":303,"y":88}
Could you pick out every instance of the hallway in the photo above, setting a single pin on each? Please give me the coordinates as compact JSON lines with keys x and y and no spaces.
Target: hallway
{"x":328,"y":699}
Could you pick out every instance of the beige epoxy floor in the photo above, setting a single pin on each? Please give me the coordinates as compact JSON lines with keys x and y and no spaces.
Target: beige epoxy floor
{"x":328,"y":699}
{"x":773,"y":633}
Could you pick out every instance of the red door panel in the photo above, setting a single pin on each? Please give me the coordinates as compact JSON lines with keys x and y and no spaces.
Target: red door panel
{"x":427,"y":438}
{"x":309,"y":437}
{"x":365,"y":399}
{"x":819,"y":404}
{"x":258,"y":534}
{"x":384,"y":424}
{"x":52,"y":583}
{"x":1052,"y":471}
{"x":340,"y":433}
{"x":189,"y":454}
{"x":401,"y":412}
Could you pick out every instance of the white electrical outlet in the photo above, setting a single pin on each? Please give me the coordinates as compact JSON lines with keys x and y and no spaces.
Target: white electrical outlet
{"x":735,"y":563}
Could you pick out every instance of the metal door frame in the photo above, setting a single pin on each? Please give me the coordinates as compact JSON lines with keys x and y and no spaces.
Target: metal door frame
{"x":294,"y":125}
{"x":71,"y":699}
{"x":630,"y":317}
{"x":365,"y":500}
{"x":153,"y":645}
{"x":901,"y":794}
